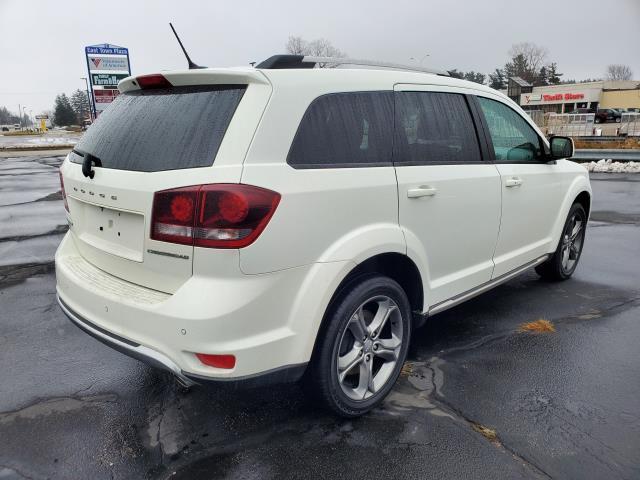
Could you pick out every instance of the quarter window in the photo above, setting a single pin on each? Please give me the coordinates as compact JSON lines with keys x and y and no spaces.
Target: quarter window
{"x":345,"y":130}
{"x":514,"y":140}
{"x":434,"y":127}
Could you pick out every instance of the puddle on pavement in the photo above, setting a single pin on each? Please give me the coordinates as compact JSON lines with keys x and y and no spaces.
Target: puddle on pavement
{"x":55,"y":406}
{"x":417,"y":388}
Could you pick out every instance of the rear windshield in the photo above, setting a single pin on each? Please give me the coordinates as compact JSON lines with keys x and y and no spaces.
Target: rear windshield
{"x":164,"y":129}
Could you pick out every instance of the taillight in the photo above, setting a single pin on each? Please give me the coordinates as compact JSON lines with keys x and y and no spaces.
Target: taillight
{"x":173,"y":215}
{"x":213,"y":216}
{"x":155,"y":80}
{"x":218,"y":361}
{"x":64,"y":194}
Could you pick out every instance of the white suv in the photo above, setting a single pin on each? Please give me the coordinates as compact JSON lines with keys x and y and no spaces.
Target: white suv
{"x":280,"y":223}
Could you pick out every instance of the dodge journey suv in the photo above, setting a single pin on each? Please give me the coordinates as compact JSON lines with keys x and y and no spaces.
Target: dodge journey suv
{"x":285,"y":223}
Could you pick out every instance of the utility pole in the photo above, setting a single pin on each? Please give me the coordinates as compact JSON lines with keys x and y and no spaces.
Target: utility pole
{"x":91,"y":113}
{"x":20,"y":115}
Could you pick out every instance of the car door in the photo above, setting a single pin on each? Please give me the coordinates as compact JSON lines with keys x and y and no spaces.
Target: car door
{"x":532,"y":188}
{"x":448,"y":196}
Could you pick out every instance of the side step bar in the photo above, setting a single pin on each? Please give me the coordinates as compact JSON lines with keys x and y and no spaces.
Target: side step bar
{"x":458,"y":299}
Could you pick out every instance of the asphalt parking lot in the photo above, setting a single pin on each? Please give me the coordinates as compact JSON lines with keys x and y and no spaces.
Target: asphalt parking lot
{"x":477,"y":399}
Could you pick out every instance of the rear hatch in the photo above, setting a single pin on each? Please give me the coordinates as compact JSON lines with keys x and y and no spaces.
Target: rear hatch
{"x":180,"y":129}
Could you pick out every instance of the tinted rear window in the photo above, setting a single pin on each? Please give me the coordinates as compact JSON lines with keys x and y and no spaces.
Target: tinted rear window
{"x":345,"y":130}
{"x":167,"y":129}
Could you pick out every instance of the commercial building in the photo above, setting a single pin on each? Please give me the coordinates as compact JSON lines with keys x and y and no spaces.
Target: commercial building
{"x":566,"y":98}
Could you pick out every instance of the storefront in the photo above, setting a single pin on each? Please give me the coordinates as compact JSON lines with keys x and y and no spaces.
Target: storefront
{"x":567,"y":98}
{"x":620,"y":99}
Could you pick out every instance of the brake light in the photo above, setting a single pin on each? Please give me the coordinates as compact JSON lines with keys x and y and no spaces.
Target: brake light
{"x":64,"y":194}
{"x":155,"y":80}
{"x":212,"y":216}
{"x":218,"y":361}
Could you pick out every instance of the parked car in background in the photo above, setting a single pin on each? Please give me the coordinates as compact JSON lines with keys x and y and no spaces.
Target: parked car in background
{"x":604,"y":115}
{"x":295,"y":223}
{"x":582,"y":110}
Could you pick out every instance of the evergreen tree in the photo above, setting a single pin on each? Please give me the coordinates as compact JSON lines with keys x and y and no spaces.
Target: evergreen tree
{"x":80,"y":104}
{"x":554,"y":76}
{"x":497,"y":79}
{"x":476,"y":77}
{"x":63,"y":113}
{"x":519,"y":67}
{"x":8,"y":118}
{"x":542,"y":78}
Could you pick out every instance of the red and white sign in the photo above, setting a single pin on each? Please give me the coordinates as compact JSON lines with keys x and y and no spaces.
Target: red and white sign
{"x":562,"y":96}
{"x":104,"y":97}
{"x":567,"y":96}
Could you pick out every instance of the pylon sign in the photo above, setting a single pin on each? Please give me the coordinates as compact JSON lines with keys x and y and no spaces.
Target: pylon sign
{"x":106,"y":65}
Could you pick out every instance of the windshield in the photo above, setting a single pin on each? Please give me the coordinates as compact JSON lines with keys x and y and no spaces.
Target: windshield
{"x":163,"y":129}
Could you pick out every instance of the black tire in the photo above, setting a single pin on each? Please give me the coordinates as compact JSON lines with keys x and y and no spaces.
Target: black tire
{"x":556,"y":268}
{"x":321,"y":380}
{"x":597,"y":120}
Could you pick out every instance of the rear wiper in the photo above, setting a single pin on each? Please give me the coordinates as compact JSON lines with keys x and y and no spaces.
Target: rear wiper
{"x":87,"y":165}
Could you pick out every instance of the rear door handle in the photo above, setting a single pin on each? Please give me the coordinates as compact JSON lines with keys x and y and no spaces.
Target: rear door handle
{"x":513,"y":182}
{"x":421,"y":191}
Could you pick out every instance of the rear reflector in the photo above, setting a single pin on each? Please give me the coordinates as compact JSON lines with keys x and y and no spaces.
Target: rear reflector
{"x":64,"y":194}
{"x":212,"y":216}
{"x":153,"y":81}
{"x":218,"y":361}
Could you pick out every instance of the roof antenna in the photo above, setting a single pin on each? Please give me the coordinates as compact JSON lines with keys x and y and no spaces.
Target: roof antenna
{"x":192,"y":65}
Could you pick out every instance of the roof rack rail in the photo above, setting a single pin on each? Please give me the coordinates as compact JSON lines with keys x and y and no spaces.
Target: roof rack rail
{"x":305,"y":61}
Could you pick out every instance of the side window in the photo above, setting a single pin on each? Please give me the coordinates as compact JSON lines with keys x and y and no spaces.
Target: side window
{"x":514,"y":140}
{"x":345,"y":130}
{"x":434,"y":127}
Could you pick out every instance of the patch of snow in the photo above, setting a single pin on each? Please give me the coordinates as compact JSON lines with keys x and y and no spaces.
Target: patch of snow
{"x":609,"y":166}
{"x":53,"y":141}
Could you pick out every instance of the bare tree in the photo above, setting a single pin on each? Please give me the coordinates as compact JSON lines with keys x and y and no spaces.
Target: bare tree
{"x":296,"y":45}
{"x":323,"y":48}
{"x":618,"y":72}
{"x":534,"y":55}
{"x":320,"y":47}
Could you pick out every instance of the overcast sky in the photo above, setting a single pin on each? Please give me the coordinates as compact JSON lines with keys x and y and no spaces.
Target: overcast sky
{"x":42,"y":41}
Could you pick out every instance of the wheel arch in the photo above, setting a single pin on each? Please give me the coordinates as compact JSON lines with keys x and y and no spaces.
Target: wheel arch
{"x":584,"y":199}
{"x":579,"y":191}
{"x":396,"y":266}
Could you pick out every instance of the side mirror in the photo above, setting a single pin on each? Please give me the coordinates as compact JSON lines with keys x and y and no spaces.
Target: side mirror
{"x":561,"y":147}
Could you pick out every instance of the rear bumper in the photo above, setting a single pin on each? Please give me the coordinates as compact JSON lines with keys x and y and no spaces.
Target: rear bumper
{"x":132,"y":349}
{"x":287,"y":374}
{"x":269,"y":322}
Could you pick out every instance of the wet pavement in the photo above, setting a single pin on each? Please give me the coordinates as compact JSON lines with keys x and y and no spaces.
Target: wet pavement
{"x":477,"y":399}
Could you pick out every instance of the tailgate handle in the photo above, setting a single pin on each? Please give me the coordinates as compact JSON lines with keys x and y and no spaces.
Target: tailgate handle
{"x":90,"y":160}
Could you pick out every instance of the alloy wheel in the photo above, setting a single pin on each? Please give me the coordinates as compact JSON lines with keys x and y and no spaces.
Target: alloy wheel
{"x":572,"y":242}
{"x":369,"y":348}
